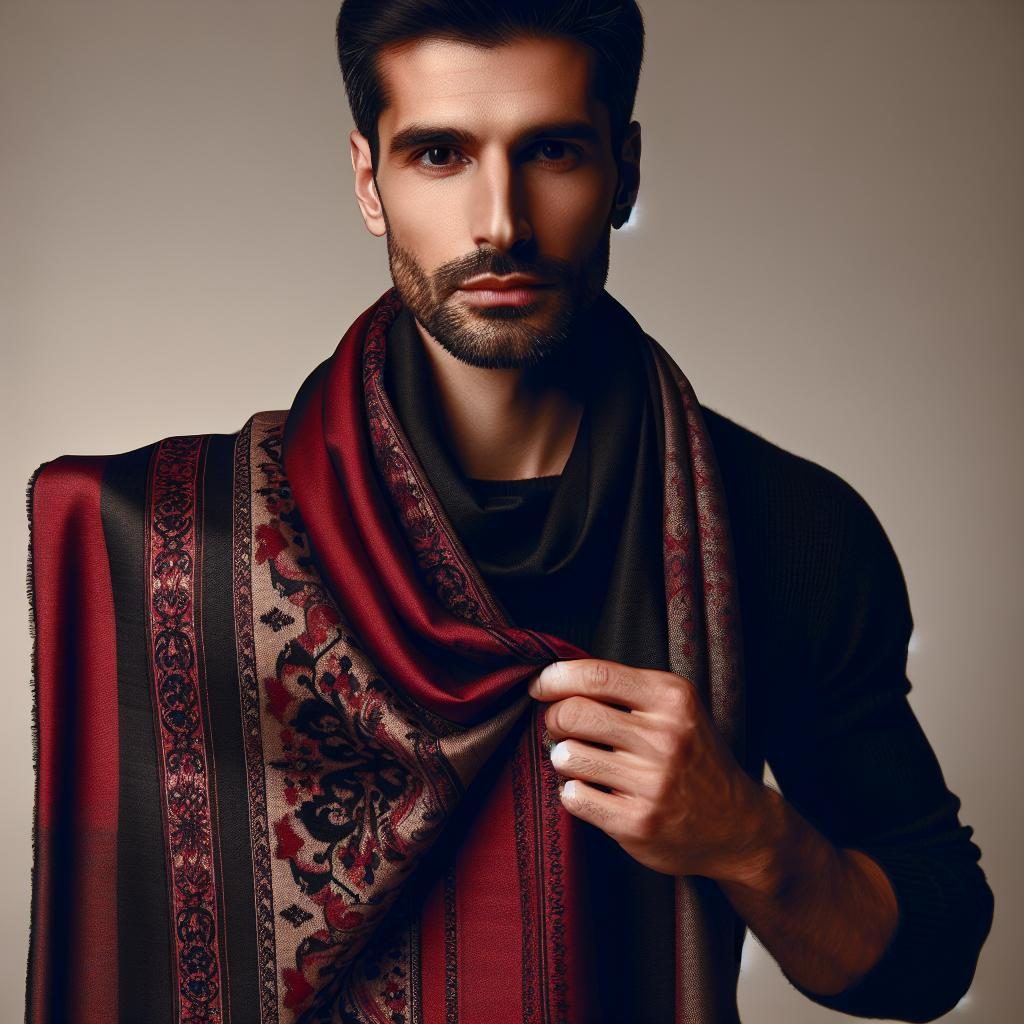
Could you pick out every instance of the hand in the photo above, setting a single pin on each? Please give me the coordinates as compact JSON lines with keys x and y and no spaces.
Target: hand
{"x":679,"y":802}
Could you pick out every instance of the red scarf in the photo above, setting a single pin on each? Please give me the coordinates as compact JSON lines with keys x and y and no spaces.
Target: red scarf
{"x":411,"y":860}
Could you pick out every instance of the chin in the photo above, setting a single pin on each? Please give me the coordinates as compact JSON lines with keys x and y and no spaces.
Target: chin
{"x":507,"y":312}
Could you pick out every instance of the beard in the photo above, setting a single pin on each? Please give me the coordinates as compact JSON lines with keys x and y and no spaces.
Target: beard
{"x":502,"y":337}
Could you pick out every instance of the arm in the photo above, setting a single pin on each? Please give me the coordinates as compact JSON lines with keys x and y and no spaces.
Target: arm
{"x":851,"y":757}
{"x":825,"y":914}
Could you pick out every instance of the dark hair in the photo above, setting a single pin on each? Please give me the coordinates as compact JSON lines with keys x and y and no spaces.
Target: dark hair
{"x":613,"y":29}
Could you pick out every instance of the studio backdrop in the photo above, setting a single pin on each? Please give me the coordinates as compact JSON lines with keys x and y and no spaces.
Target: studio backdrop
{"x":829,"y":240}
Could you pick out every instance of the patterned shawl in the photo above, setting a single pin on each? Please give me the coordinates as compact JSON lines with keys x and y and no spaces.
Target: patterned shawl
{"x":286,"y":767}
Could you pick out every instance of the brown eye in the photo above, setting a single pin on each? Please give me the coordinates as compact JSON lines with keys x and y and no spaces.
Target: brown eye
{"x":553,"y":151}
{"x":558,"y":147}
{"x":435,"y":150}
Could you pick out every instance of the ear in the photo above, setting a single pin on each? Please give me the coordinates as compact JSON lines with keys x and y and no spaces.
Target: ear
{"x":366,"y":188}
{"x":629,"y":175}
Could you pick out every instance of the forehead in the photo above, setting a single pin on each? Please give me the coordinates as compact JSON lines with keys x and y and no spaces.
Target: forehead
{"x":528,"y":80}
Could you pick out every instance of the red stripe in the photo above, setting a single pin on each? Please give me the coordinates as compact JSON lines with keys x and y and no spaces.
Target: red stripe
{"x":75,"y":629}
{"x":566,"y":938}
{"x":490,"y":913}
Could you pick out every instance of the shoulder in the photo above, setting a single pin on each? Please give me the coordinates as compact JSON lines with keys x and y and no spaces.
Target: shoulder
{"x":70,"y":485}
{"x":755,"y":468}
{"x":773,"y":492}
{"x":808,"y":543}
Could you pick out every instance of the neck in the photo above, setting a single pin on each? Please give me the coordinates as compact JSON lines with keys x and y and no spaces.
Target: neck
{"x":503,"y":424}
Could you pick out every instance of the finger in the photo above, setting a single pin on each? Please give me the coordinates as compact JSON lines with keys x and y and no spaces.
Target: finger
{"x":613,"y":768}
{"x":584,"y":719}
{"x":608,"y":681}
{"x":608,"y":811}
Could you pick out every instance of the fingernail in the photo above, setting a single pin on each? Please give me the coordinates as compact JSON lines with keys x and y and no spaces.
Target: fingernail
{"x":559,"y":754}
{"x":550,"y":672}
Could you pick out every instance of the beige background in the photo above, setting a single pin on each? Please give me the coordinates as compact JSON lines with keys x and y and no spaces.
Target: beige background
{"x":829,"y":238}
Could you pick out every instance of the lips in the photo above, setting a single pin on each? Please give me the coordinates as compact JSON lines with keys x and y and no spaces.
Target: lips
{"x":517,"y":296}
{"x":492,"y":282}
{"x":514,"y":290}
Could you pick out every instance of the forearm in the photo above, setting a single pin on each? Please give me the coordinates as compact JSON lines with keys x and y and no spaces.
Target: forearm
{"x":825,"y":914}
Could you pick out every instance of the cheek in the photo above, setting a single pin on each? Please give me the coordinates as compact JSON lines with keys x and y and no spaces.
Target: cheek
{"x":569,"y":213}
{"x":426,"y":224}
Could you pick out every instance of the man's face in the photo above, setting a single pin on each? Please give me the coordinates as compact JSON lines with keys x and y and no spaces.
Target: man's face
{"x":493,"y":161}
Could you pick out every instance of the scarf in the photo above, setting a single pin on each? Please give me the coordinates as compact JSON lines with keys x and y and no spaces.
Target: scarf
{"x":321,"y":717}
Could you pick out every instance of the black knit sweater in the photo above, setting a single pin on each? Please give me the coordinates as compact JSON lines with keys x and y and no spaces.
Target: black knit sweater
{"x":826,"y":624}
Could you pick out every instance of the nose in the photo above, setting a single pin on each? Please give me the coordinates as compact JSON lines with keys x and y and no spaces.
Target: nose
{"x":498,"y":217}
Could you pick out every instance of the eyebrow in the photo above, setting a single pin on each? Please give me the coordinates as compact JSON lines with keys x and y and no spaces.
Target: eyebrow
{"x":415,"y":135}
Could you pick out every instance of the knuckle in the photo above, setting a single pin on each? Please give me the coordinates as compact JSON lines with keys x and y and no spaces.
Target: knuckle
{"x":566,"y":715}
{"x":682,"y":697}
{"x":598,"y":674}
{"x":559,"y":716}
{"x":672,"y":743}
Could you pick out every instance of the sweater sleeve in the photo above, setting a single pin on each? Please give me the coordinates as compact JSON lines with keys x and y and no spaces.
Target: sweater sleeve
{"x":850,"y":755}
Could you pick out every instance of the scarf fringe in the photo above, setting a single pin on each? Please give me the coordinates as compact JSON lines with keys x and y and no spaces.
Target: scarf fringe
{"x":34,"y":689}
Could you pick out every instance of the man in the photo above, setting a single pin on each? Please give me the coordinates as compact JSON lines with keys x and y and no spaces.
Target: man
{"x":297,"y":759}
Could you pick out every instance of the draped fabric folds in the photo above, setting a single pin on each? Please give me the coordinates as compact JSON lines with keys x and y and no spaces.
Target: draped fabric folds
{"x":287,"y":770}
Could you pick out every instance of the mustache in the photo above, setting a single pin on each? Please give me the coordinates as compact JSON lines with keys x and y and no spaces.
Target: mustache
{"x":452,"y":275}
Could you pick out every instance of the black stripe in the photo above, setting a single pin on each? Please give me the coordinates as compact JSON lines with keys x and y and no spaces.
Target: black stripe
{"x":237,"y":925}
{"x":143,"y":931}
